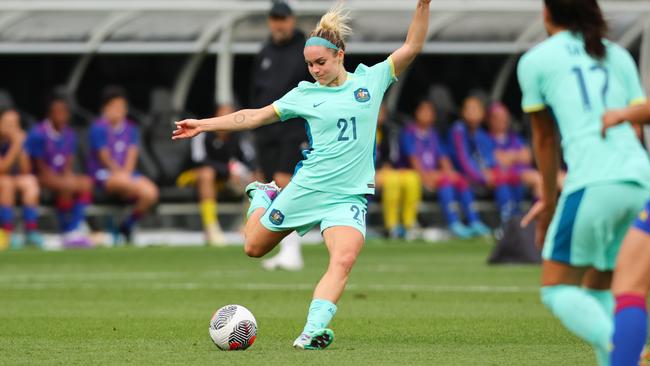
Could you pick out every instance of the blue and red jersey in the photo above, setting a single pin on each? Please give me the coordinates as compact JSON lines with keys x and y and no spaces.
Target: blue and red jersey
{"x":117,"y":140}
{"x":509,"y":142}
{"x":422,"y":144}
{"x":472,"y":152}
{"x":54,"y":147}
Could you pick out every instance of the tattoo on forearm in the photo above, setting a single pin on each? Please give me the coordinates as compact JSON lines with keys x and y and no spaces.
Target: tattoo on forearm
{"x":240,"y":118}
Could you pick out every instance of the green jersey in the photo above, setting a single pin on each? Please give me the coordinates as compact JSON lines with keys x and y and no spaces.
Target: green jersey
{"x":558,"y":74}
{"x":341,"y":127}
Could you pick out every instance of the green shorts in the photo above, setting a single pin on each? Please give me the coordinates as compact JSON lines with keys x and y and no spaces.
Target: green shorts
{"x":589,"y":224}
{"x":300,"y":209}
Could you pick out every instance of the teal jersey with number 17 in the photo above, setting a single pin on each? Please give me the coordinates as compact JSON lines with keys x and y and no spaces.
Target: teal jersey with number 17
{"x":341,"y":127}
{"x":559,"y":75}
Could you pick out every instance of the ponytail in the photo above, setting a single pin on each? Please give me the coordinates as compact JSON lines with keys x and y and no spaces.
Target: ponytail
{"x":584,"y":17}
{"x":333,"y":26}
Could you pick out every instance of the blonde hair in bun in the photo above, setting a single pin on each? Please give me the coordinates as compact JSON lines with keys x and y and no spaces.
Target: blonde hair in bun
{"x":333,"y":26}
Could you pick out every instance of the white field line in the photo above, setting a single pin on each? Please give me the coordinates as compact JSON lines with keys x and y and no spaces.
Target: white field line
{"x":266,"y":287}
{"x":160,"y":275}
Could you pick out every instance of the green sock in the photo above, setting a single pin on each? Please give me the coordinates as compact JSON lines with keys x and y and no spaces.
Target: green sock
{"x":320,"y":314}
{"x":583,"y":315}
{"x":260,"y":200}
{"x":605,"y":298}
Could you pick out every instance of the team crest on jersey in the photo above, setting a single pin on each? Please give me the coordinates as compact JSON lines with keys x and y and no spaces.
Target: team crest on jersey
{"x":362,"y":95}
{"x":276,"y":217}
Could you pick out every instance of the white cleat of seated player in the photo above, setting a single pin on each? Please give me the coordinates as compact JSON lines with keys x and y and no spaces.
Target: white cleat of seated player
{"x":284,"y":262}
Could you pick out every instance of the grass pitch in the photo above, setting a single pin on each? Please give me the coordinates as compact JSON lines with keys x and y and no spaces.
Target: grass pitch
{"x":406,"y":304}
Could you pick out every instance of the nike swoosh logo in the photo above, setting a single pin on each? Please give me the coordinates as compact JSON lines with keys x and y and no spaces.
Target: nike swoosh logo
{"x":317,"y":104}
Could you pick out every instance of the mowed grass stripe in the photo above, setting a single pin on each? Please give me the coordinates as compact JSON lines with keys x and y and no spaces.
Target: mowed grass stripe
{"x":259,"y":287}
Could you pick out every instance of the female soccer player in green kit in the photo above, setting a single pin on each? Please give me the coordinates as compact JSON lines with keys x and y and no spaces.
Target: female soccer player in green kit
{"x":577,"y":75}
{"x":329,"y":186}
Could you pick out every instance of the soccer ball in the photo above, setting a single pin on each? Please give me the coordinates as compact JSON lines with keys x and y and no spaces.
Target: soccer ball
{"x":233,"y":327}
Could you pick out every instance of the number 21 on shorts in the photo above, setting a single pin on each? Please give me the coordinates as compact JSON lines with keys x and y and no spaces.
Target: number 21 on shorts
{"x":359,"y":215}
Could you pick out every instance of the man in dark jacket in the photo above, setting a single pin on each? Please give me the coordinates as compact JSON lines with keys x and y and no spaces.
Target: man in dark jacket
{"x":277,"y":69}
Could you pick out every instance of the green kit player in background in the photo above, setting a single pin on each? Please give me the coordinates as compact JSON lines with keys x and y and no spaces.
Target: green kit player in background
{"x":570,"y":80}
{"x":329,"y":186}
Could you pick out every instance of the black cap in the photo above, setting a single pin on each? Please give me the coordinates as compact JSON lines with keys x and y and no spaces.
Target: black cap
{"x":280,"y":9}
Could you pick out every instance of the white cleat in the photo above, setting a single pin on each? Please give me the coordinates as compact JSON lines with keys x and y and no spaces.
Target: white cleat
{"x":271,"y":189}
{"x":214,"y":236}
{"x":317,"y":340}
{"x":283,"y":262}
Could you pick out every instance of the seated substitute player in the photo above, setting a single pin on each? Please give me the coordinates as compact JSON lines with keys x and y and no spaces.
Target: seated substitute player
{"x":400,"y":188}
{"x":51,"y":145}
{"x":215,"y":157}
{"x":632,"y":275}
{"x":421,"y":150}
{"x":512,"y":155}
{"x":15,"y":178}
{"x":473,"y":154}
{"x":113,"y":158}
{"x":330,"y":184}
{"x":568,"y":81}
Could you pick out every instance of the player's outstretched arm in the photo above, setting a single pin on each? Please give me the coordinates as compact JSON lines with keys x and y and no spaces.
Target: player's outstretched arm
{"x":415,"y":38}
{"x":244,"y":119}
{"x":638,"y":114}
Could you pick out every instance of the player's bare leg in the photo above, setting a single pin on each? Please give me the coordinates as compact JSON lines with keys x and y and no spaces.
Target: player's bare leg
{"x":206,"y":178}
{"x":141,"y":189}
{"x":118,"y":184}
{"x":146,"y":192}
{"x":27,"y":186}
{"x":289,"y":257}
{"x":630,"y":276}
{"x":344,"y":244}
{"x":73,"y":194}
{"x":258,"y":240}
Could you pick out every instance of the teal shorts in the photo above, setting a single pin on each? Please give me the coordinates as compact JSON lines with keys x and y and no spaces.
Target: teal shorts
{"x":300,"y":209}
{"x":590,"y":223}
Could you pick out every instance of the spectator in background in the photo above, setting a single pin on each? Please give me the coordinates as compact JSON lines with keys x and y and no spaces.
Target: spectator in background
{"x":277,"y":69}
{"x":422,"y":151}
{"x":15,"y":178}
{"x":51,"y":145}
{"x":215,"y":157}
{"x":401,"y":189}
{"x":473,"y":154}
{"x":512,"y":155}
{"x":113,"y":158}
